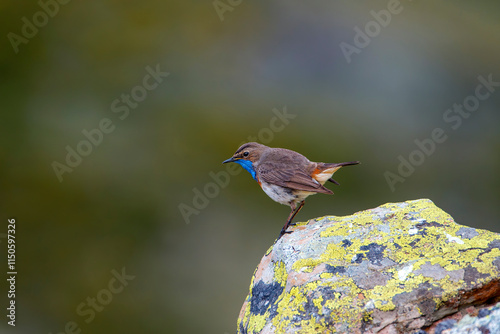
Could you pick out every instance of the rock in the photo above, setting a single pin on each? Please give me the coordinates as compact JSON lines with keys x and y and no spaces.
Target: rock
{"x":470,"y":320}
{"x":398,"y":268}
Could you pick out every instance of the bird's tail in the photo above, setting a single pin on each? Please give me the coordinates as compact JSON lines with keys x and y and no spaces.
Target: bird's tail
{"x":333,"y":167}
{"x":340,"y":164}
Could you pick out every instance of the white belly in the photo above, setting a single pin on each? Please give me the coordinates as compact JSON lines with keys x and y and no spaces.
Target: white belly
{"x":284,"y":195}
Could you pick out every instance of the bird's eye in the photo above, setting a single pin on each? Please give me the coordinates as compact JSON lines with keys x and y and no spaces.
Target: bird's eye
{"x":246,"y":154}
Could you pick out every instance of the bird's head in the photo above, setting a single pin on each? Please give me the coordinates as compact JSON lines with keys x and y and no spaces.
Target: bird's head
{"x":247,"y":155}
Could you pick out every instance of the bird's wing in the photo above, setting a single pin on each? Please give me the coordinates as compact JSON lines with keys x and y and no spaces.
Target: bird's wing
{"x":290,"y":176}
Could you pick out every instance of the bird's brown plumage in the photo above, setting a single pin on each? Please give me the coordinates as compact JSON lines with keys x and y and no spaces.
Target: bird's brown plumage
{"x":286,"y":176}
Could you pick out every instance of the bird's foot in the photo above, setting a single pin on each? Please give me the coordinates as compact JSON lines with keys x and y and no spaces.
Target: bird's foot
{"x":282,"y":233}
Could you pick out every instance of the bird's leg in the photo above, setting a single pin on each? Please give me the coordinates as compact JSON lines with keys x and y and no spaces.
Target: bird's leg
{"x":290,"y":218}
{"x":295,"y":213}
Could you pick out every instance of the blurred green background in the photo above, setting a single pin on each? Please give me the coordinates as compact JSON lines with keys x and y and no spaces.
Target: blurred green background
{"x":119,"y":207}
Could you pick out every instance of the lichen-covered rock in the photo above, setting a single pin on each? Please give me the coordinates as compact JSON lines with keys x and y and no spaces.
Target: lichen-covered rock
{"x":397,"y":268}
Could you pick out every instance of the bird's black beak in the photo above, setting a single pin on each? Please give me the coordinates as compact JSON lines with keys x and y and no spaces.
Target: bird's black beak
{"x":229,"y":160}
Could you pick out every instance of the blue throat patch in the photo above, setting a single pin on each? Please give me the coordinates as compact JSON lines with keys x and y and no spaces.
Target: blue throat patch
{"x":248,"y":166}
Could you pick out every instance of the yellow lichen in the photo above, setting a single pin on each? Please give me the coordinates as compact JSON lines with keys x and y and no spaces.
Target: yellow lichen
{"x":485,"y":265}
{"x":312,"y":327}
{"x":317,"y":302}
{"x":280,"y":274}
{"x":257,"y":322}
{"x":289,"y":306}
{"x":306,"y":265}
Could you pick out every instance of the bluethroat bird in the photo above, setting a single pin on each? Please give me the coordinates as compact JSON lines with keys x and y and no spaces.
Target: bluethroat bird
{"x":286,"y":176}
